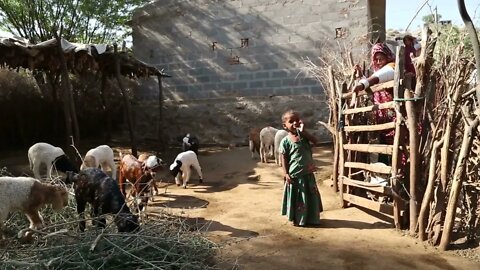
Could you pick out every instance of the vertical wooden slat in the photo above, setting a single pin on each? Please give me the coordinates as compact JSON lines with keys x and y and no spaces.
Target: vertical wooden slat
{"x":341,"y":153}
{"x":397,"y":93}
{"x":414,"y":160}
{"x":331,"y":81}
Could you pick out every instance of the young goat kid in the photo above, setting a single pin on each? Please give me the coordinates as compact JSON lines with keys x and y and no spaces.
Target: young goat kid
{"x":140,"y":174}
{"x":100,"y":156}
{"x":267,"y":141}
{"x":28,"y":195}
{"x":95,"y":187}
{"x":181,"y":168}
{"x":49,"y":155}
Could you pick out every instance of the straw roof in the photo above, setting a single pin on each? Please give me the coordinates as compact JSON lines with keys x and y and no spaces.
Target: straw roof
{"x":18,"y":52}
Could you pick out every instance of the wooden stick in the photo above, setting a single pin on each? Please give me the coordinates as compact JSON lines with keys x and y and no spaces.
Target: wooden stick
{"x":468,"y":134}
{"x":378,"y":127}
{"x":374,"y":88}
{"x":371,"y":167}
{"x":427,"y":197}
{"x":386,"y":105}
{"x":370,"y":148}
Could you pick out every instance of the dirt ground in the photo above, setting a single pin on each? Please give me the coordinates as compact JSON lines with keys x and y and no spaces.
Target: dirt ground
{"x":239,"y":206}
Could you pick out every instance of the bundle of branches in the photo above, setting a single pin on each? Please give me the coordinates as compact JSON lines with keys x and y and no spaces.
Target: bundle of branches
{"x":450,"y":151}
{"x":163,"y":242}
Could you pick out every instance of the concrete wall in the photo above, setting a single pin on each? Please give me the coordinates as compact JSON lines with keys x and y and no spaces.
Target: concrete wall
{"x":199,"y":42}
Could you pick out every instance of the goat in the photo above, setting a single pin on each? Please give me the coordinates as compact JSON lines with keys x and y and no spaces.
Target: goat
{"x":140,"y":174}
{"x":278,"y":138}
{"x":28,"y":195}
{"x":101,"y":191}
{"x":181,"y":168}
{"x":267,"y":141}
{"x":254,"y":141}
{"x":190,"y":142}
{"x":44,"y":153}
{"x":100,"y":156}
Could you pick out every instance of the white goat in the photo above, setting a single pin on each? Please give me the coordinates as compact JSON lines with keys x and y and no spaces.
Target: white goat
{"x":100,"y":156}
{"x":28,"y":195}
{"x":44,"y":153}
{"x":267,"y":141}
{"x":278,"y":138}
{"x":181,"y":167}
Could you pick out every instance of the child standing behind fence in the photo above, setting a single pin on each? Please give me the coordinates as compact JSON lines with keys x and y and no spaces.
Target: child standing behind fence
{"x":301,"y":200}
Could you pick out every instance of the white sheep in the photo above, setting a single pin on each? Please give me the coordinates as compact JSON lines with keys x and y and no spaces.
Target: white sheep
{"x":181,"y":167}
{"x":49,"y":155}
{"x":267,"y":141}
{"x":100,"y":156}
{"x":28,"y":195}
{"x":281,"y":133}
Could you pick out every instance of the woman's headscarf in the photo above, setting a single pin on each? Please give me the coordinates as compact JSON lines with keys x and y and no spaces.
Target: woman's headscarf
{"x":382,"y":48}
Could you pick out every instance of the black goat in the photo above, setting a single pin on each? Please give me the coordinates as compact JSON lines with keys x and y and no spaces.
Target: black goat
{"x":190,"y":142}
{"x":94,"y":186}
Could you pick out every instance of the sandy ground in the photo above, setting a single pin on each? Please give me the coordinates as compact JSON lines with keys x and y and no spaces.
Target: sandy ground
{"x":239,"y":206}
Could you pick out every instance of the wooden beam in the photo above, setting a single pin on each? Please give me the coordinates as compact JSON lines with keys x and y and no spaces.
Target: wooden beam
{"x":386,"y":105}
{"x":368,"y":186}
{"x":396,"y":159}
{"x":370,"y":167}
{"x":374,"y":88}
{"x":367,"y":203}
{"x":370,"y":127}
{"x":370,"y":148}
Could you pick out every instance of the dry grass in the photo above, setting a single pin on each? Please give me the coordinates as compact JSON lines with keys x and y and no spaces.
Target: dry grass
{"x":163,"y":242}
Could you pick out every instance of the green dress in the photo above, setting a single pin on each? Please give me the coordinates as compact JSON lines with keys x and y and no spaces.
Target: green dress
{"x":302,"y":203}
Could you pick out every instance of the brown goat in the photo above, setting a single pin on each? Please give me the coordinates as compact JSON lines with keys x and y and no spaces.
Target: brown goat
{"x":140,"y":174}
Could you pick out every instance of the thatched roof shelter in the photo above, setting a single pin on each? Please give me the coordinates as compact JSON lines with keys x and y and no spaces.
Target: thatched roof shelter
{"x":18,"y":52}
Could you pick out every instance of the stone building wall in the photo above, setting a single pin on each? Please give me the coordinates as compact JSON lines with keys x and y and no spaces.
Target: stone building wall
{"x":222,"y":53}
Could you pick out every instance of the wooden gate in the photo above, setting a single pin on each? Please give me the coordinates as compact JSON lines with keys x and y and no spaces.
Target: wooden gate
{"x":352,"y":169}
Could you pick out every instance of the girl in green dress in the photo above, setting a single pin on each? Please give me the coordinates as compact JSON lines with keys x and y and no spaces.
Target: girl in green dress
{"x":302,"y":203}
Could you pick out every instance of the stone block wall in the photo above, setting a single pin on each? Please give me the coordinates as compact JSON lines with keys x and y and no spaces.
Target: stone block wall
{"x":220,"y":50}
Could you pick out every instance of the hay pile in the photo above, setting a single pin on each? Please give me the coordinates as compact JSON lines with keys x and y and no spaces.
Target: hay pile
{"x":164,"y":242}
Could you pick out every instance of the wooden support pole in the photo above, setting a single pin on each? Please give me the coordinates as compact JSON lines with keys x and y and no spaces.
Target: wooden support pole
{"x":106,"y":114}
{"x":341,"y":153}
{"x":414,"y":160}
{"x":459,"y":174}
{"x":69,"y":104}
{"x":331,"y":82}
{"x":397,"y":93}
{"x":126,"y":102}
{"x":160,"y":125}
